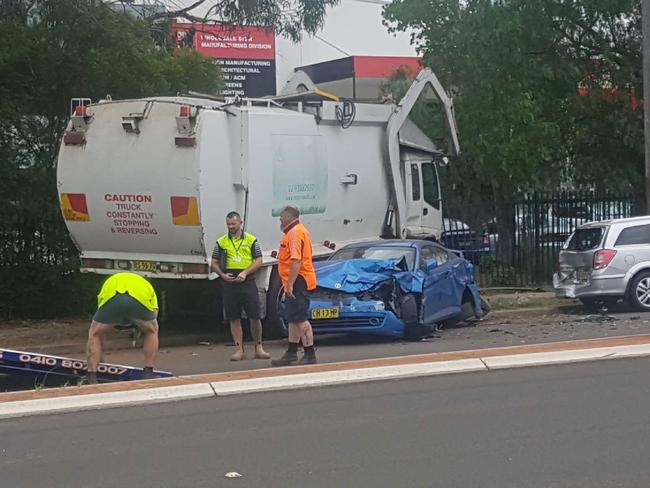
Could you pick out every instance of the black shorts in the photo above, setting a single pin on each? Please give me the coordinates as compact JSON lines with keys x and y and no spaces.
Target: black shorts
{"x":241,"y":296}
{"x":297,"y":309}
{"x":124,"y":312}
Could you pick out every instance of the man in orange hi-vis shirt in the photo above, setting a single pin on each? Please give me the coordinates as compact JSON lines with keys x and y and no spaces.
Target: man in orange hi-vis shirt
{"x":298,"y":277}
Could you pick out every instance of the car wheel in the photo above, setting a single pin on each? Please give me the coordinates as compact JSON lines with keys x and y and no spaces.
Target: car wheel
{"x":485,"y":307}
{"x":640,"y":291}
{"x":274,"y":325}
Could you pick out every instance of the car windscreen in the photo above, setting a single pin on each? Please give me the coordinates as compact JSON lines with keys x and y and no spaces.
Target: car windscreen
{"x":585,"y":239}
{"x":377,"y":252}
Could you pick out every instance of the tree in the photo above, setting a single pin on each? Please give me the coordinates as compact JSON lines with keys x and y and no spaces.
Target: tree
{"x":289,"y":18}
{"x":514,"y":68}
{"x":50,"y":52}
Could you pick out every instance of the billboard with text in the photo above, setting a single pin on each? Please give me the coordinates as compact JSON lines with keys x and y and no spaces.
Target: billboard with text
{"x":246,"y":55}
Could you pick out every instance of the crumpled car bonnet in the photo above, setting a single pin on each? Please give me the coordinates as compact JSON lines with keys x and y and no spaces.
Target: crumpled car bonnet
{"x":359,"y":275}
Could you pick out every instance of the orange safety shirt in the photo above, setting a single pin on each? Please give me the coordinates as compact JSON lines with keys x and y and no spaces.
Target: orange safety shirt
{"x":296,"y":244}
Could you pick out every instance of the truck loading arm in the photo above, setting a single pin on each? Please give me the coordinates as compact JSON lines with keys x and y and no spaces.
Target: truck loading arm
{"x":395,"y":122}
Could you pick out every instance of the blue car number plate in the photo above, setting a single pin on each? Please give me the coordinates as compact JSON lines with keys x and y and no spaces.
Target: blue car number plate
{"x":325,"y":313}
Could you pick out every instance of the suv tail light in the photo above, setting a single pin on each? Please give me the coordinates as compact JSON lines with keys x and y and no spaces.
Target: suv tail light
{"x":486,"y":240}
{"x":603,"y":257}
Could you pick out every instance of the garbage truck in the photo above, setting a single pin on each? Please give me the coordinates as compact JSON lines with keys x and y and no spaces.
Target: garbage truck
{"x":145,"y":184}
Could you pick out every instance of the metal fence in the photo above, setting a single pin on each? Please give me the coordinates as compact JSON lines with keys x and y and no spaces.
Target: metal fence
{"x":517,"y":244}
{"x":511,"y":245}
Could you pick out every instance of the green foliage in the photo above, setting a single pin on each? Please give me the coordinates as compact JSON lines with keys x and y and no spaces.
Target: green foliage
{"x":49,"y":53}
{"x":290,"y":19}
{"x":514,"y":68}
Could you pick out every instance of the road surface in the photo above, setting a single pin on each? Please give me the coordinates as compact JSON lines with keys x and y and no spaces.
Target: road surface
{"x":583,"y":425}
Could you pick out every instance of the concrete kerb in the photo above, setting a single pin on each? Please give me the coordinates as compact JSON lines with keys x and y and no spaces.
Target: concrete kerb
{"x":566,"y":357}
{"x":104,"y":400}
{"x":205,"y":386}
{"x":310,"y":380}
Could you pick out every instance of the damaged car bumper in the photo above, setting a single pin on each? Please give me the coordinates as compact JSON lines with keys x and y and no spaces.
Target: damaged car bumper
{"x":576,"y":285}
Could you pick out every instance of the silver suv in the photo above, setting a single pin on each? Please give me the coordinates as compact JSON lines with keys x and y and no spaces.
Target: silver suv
{"x":604,"y":261}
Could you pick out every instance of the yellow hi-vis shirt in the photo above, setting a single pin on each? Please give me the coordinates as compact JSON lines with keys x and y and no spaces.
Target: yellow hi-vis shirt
{"x":130,"y":283}
{"x":240,"y":253}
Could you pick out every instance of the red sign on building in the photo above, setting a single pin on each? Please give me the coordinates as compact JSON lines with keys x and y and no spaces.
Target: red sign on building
{"x":246,"y":54}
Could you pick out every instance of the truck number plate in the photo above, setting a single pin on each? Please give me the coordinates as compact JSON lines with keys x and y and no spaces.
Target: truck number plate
{"x":145,"y":266}
{"x":325,"y":313}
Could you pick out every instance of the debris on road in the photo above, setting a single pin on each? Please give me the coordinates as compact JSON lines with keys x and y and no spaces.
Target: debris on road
{"x":233,"y":474}
{"x":598,"y":318}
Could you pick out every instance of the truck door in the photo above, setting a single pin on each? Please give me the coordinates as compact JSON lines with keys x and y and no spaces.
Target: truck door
{"x":431,"y":202}
{"x":414,"y":199}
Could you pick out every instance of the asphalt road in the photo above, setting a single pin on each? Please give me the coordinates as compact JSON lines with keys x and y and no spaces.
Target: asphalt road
{"x":582,"y":425}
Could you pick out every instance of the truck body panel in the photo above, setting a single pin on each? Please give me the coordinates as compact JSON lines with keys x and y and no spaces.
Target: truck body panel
{"x":145,"y":184}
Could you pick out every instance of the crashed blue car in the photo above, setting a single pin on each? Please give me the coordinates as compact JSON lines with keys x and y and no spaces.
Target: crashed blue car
{"x":394,"y":288}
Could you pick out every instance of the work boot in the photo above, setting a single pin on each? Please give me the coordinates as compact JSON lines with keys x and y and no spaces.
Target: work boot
{"x":147,"y":374}
{"x":307,"y":359}
{"x":287,"y":359}
{"x":238,"y":355}
{"x":260,"y":353}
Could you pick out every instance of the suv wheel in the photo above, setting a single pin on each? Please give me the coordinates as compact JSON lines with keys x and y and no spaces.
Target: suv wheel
{"x":640,"y":291}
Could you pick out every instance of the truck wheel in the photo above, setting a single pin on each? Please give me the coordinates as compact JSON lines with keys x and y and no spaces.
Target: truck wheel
{"x":640,"y":291}
{"x":274,"y":325}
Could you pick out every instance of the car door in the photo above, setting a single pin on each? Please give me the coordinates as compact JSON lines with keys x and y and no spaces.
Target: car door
{"x":439,"y":287}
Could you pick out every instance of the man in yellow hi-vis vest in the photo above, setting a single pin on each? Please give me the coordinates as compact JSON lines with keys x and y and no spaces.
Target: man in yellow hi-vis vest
{"x":236,"y":257}
{"x":125,"y":301}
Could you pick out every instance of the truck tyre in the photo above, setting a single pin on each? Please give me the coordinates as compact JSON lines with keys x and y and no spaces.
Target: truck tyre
{"x":639,"y":293}
{"x":274,"y":325}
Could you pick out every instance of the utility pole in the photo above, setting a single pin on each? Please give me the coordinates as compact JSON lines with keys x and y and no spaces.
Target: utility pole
{"x":645,"y":16}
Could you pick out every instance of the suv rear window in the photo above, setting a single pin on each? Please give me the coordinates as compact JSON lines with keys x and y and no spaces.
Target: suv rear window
{"x":585,"y":239}
{"x":639,"y":234}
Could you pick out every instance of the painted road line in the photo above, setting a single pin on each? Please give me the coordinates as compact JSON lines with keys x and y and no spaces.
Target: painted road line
{"x":565,"y":357}
{"x":104,"y":400}
{"x":310,"y":380}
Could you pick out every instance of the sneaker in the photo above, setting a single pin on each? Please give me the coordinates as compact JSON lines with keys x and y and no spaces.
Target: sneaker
{"x":287,"y":359}
{"x":260,"y":353}
{"x":88,"y":380}
{"x":238,"y":355}
{"x":305,"y":359}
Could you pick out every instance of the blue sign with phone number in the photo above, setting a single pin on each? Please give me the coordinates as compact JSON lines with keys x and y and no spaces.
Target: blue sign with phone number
{"x":22,"y":362}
